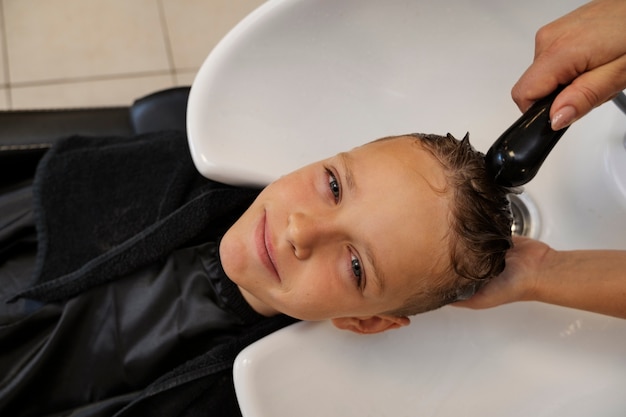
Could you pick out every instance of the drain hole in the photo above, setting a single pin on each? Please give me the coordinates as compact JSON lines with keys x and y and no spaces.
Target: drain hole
{"x":525,"y":216}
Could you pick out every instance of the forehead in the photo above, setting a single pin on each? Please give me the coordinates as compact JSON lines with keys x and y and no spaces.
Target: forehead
{"x":398,"y":168}
{"x":408,"y":156}
{"x":401,"y":192}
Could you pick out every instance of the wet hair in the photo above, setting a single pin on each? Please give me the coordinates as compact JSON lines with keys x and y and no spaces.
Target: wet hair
{"x":480,"y":225}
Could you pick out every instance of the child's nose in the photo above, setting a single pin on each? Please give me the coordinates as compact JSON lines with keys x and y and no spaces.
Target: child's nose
{"x":305,"y":232}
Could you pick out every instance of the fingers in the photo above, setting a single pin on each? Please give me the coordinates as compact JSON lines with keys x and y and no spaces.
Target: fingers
{"x":531,"y":88}
{"x":547,"y":72}
{"x":557,"y":61}
{"x":585,"y":48}
{"x":518,"y":281}
{"x":587,"y":92}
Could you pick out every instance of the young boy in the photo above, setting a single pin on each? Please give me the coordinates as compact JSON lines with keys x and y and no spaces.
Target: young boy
{"x":149,"y":279}
{"x":390,"y":229}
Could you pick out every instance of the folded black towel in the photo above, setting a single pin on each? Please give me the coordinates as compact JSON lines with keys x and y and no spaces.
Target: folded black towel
{"x":106,"y":206}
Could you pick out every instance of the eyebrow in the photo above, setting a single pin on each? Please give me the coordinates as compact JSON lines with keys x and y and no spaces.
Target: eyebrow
{"x":346,"y":163}
{"x":378,"y":278}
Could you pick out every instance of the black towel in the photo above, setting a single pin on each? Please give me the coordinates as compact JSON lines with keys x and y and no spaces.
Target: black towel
{"x":106,"y":206}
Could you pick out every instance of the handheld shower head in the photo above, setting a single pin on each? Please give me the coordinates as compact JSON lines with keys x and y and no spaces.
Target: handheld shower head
{"x":517,"y":155}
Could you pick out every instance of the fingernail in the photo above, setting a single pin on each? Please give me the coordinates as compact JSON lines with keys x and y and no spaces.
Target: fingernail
{"x":563,"y":118}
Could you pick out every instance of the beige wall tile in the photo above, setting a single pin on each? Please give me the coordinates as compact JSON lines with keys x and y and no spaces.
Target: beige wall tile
{"x":185,"y":77}
{"x":114,"y":92}
{"x":3,"y":75}
{"x":66,"y":39}
{"x":196,"y":26}
{"x":4,"y":99}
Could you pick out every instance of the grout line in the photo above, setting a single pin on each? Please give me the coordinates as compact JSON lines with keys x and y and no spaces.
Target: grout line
{"x":167,"y":41}
{"x":73,"y":80}
{"x":188,"y":69}
{"x":5,"y":56}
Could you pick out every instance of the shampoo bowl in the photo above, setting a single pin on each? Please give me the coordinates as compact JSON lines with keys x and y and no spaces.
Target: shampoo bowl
{"x":298,"y":80}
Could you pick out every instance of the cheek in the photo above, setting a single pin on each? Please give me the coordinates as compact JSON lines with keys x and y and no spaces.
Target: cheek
{"x":318,"y":291}
{"x":237,"y":245}
{"x":296,"y":188}
{"x":232,"y":254}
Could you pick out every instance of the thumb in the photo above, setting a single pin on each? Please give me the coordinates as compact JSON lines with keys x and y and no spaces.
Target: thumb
{"x":587,"y":92}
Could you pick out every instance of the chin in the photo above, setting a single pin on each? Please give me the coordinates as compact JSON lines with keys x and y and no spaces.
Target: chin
{"x":230,"y":257}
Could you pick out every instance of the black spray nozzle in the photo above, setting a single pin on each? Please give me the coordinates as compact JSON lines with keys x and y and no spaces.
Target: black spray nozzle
{"x":517,"y":155}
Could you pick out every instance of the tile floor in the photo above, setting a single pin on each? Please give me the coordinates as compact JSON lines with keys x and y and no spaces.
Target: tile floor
{"x":77,"y":53}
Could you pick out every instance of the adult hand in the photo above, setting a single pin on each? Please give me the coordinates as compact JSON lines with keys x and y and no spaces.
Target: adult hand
{"x":518,"y":280}
{"x":591,"y":280}
{"x":586,"y":48}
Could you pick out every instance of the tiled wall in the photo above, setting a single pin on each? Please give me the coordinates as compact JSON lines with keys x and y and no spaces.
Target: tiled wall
{"x":77,"y":53}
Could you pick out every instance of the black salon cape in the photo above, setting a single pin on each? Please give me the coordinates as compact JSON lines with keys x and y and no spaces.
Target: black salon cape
{"x":113,"y":301}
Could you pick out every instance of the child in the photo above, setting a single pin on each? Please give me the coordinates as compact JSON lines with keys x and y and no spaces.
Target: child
{"x":149,"y":279}
{"x":405,"y":215}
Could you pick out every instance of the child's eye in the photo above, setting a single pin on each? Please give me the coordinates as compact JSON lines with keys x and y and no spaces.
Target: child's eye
{"x":357,"y":271}
{"x":333,"y":185}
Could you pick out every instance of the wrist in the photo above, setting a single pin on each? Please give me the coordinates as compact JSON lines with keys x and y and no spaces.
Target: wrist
{"x":539,"y":274}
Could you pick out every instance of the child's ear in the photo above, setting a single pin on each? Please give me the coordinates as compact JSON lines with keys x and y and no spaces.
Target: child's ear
{"x":370,"y":325}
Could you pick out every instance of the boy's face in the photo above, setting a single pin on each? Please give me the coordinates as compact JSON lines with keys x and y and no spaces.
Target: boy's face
{"x":346,"y":238}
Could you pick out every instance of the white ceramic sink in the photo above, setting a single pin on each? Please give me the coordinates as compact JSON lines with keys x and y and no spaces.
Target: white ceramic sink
{"x":298,"y":80}
{"x":521,"y":360}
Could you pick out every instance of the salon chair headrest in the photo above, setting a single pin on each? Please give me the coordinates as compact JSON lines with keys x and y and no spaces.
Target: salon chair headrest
{"x":25,"y":135}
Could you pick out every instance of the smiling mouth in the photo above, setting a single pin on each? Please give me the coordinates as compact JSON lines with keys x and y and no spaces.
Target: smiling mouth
{"x":266,"y":249}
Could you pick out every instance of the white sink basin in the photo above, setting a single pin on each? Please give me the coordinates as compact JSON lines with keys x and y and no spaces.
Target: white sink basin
{"x":302,"y":79}
{"x":521,"y":360}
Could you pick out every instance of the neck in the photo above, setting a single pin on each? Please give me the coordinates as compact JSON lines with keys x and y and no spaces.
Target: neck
{"x":257,"y":305}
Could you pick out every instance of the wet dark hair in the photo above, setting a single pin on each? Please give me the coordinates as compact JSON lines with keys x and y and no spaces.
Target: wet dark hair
{"x":480,"y":225}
